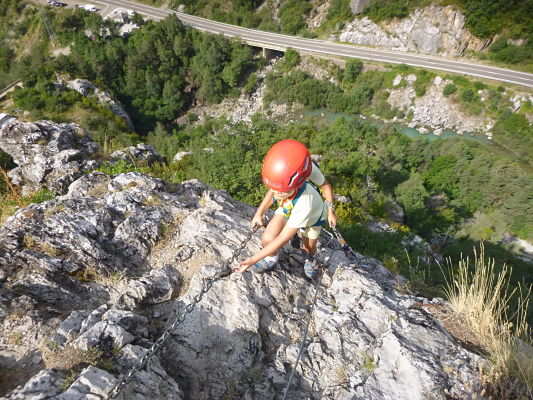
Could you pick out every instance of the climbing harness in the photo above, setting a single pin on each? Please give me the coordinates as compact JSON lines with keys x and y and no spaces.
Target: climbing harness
{"x":351,"y":255}
{"x":226,"y":271}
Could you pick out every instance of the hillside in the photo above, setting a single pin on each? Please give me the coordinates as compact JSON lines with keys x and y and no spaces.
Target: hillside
{"x":131,"y":168}
{"x":495,"y":31}
{"x":84,"y":273}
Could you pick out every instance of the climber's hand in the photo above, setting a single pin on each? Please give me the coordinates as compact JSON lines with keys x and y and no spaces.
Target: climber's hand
{"x":243,"y":266}
{"x":257,"y":220}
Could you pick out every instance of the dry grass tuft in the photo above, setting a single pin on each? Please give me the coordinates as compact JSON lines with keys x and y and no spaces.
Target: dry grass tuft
{"x":480,"y":297}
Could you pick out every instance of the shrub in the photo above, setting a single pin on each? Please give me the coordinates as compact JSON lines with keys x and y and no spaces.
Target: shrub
{"x":449,"y":89}
{"x":352,"y":70}
{"x":251,"y":83}
{"x":467,"y":95}
{"x":290,"y":59}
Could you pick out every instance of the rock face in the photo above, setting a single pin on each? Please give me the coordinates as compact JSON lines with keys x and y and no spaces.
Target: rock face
{"x":141,"y":154}
{"x":357,"y":6}
{"x":429,"y":30}
{"x":88,"y":89}
{"x":48,"y":154}
{"x":434,"y":110}
{"x":91,"y":279}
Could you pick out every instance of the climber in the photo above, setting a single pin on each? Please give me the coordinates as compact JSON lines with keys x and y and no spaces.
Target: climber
{"x":300,"y":209}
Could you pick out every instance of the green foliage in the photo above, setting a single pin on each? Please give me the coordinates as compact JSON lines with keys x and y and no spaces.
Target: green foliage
{"x":292,"y":16}
{"x":485,"y":18}
{"x":251,"y":83}
{"x":352,"y":70}
{"x":236,"y":12}
{"x":424,"y":78}
{"x":6,"y":55}
{"x":149,"y":70}
{"x":41,"y":196}
{"x":304,"y":89}
{"x":449,"y":89}
{"x":290,"y":59}
{"x":380,"y":10}
{"x":339,"y":12}
{"x":501,"y":50}
{"x":514,"y":131}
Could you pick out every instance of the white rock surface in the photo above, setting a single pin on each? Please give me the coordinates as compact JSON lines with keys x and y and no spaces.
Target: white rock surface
{"x":429,"y":30}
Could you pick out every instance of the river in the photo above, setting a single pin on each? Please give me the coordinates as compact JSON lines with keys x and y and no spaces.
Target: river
{"x":410,"y":132}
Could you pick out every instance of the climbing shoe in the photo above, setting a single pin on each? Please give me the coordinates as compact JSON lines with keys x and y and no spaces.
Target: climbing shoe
{"x":263,"y":266}
{"x":311,"y":267}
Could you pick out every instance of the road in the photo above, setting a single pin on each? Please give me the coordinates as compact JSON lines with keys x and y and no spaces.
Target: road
{"x":282,"y":42}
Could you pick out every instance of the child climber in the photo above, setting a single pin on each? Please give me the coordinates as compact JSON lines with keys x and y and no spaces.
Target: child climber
{"x":286,"y":169}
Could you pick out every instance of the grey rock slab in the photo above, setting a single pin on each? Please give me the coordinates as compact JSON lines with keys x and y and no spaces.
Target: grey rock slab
{"x":42,"y":386}
{"x":141,"y":154}
{"x":152,"y":382}
{"x":94,"y":335}
{"x":93,"y":383}
{"x":48,"y":154}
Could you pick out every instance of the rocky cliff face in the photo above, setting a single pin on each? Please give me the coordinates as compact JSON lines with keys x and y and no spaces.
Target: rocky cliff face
{"x":433,"y":110}
{"x":47,"y":154}
{"x":429,"y":30}
{"x":88,"y":89}
{"x":92,"y":278}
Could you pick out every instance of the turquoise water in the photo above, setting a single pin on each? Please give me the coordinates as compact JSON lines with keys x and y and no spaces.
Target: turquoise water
{"x":410,"y":132}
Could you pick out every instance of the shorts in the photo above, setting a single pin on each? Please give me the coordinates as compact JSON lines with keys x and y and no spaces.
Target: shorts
{"x":313,"y":231}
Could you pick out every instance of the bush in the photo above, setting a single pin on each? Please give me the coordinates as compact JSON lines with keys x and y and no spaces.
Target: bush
{"x":352,"y":70}
{"x":449,"y":89}
{"x":251,"y":83}
{"x":467,"y":95}
{"x":290,"y":59}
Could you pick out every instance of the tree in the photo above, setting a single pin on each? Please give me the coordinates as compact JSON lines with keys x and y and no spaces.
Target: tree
{"x":352,"y":70}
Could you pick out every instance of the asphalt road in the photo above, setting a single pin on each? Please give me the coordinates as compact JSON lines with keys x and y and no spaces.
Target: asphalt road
{"x":281,"y":42}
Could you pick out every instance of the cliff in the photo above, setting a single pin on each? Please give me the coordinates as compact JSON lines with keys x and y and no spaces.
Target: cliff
{"x":92,"y":278}
{"x":429,"y":30}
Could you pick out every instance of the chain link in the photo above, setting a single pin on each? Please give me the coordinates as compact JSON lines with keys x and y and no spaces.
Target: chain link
{"x":226,"y":271}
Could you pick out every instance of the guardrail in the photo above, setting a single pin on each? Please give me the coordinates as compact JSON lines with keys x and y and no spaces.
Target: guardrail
{"x":5,"y":90}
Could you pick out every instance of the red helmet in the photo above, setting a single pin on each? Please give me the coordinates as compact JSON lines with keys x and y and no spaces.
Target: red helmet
{"x":286,"y":166}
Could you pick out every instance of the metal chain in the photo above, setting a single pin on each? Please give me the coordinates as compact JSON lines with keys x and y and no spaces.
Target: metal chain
{"x":302,"y":345}
{"x":351,"y":255}
{"x":226,"y":271}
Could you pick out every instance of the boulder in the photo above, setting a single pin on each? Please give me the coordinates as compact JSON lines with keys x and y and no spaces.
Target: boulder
{"x":139,"y":155}
{"x":48,"y":154}
{"x":88,"y":89}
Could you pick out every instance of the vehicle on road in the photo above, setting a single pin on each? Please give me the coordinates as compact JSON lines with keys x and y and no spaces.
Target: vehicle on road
{"x":87,"y":7}
{"x":54,"y":3}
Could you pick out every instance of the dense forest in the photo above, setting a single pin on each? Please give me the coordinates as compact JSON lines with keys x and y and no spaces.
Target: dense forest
{"x":455,"y":193}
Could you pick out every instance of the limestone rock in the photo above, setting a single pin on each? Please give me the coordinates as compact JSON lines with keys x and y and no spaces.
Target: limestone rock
{"x":430,"y":30}
{"x":181,"y":155}
{"x":88,"y":89}
{"x":93,"y":383}
{"x":357,"y":6}
{"x":435,"y":111}
{"x":141,"y":154}
{"x":47,"y":154}
{"x":114,"y":262}
{"x":42,"y":386}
